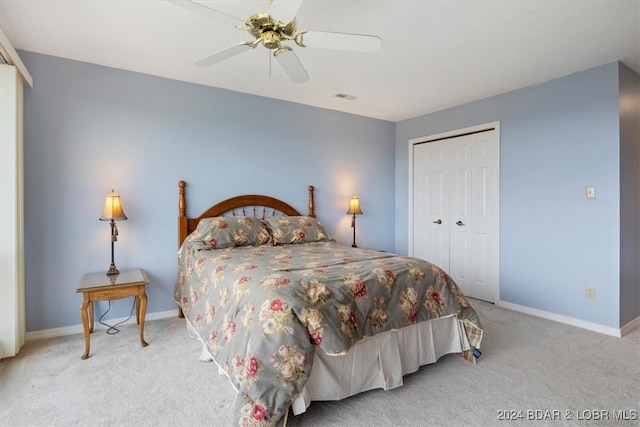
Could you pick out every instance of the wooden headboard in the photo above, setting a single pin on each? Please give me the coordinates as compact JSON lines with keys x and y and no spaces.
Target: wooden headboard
{"x":246,"y":205}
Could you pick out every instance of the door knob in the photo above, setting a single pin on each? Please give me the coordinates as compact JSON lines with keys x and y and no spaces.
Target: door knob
{"x":459,"y":223}
{"x":438,"y":221}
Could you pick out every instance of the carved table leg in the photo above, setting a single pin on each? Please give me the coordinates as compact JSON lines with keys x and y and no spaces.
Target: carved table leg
{"x":91,"y":317}
{"x":85,"y":325}
{"x":142,"y":309}
{"x":138,"y":309}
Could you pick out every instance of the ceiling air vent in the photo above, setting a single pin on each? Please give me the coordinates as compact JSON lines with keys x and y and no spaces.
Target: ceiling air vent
{"x":345,"y":96}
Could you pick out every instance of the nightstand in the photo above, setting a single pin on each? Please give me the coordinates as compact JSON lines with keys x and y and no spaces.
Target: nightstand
{"x":100,"y":287}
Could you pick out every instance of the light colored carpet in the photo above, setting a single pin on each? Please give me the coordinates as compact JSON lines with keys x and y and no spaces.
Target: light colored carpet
{"x":528,"y":364}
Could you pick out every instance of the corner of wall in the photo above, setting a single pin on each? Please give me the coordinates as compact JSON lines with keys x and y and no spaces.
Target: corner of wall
{"x":629,"y":106}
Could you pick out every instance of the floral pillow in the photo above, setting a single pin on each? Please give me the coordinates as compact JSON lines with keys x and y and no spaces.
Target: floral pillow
{"x":224,"y":232}
{"x":296,"y":229}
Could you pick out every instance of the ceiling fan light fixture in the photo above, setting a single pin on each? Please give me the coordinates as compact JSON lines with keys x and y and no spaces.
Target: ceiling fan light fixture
{"x":270,"y":39}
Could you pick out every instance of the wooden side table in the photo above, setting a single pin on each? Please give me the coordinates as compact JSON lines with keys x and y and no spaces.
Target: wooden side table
{"x":100,"y":287}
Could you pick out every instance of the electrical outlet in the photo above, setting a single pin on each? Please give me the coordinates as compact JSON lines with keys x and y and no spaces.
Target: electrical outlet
{"x":590,"y":292}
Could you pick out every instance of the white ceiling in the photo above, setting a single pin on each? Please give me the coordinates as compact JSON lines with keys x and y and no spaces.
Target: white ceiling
{"x":435,"y":54}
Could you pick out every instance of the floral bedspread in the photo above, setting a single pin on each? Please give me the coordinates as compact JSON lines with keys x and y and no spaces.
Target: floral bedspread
{"x":262,"y":311}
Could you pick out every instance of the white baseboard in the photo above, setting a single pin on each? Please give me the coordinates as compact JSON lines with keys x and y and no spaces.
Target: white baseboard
{"x":78,"y":329}
{"x":614,"y":332}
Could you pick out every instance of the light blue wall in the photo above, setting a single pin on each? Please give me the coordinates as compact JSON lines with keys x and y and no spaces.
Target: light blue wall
{"x":556,"y":139}
{"x":88,"y":129}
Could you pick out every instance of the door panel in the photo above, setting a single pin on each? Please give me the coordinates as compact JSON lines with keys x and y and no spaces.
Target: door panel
{"x":460,"y":264}
{"x":431,"y":206}
{"x":460,"y":150}
{"x":481,"y":287}
{"x":421,"y":205}
{"x":486,"y":225}
{"x":480,"y":181}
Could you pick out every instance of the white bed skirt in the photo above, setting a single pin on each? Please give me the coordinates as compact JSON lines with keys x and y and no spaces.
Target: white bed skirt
{"x":376,"y":362}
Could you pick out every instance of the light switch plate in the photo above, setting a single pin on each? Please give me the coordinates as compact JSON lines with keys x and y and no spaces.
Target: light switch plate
{"x":590,"y":192}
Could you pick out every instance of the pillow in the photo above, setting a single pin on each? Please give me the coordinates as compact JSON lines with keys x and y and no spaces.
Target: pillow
{"x":224,"y":232}
{"x":296,"y":229}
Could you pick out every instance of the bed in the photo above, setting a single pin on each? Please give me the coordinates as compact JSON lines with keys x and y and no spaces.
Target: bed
{"x":290,"y":316}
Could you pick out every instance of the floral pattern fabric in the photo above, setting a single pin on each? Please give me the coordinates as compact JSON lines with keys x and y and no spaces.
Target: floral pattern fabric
{"x":223,"y":232}
{"x":296,"y":229}
{"x":262,"y":311}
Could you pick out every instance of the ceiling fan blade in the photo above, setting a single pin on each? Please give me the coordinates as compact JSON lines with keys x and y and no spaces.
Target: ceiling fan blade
{"x":289,"y":61}
{"x":284,"y":10}
{"x":341,"y":41}
{"x":225,"y":53}
{"x":202,"y":9}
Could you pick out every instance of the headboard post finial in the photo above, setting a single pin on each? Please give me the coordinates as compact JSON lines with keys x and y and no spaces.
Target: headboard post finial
{"x":312,"y":211}
{"x":182,"y":203}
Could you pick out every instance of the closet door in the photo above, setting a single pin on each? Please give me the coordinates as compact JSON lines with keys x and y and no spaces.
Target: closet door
{"x":455,"y":199}
{"x":431,"y":210}
{"x":485,"y":216}
{"x":460,"y":221}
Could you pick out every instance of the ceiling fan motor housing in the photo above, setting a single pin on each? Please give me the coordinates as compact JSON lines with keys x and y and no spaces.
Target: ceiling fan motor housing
{"x":270,"y":31}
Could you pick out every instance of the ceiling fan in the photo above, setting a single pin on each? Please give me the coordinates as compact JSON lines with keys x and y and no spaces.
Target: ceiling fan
{"x":273,"y":29}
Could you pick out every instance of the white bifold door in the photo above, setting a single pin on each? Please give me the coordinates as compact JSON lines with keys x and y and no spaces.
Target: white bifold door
{"x":456,"y":209}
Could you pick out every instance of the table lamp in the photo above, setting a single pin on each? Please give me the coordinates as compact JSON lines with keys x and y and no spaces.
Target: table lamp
{"x":354,"y":209}
{"x":113,"y":212}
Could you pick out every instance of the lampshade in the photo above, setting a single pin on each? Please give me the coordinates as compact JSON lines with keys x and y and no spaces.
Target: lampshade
{"x":354,"y":206}
{"x":112,"y":208}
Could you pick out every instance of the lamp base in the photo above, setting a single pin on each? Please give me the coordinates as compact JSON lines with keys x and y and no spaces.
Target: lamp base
{"x":112,"y":270}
